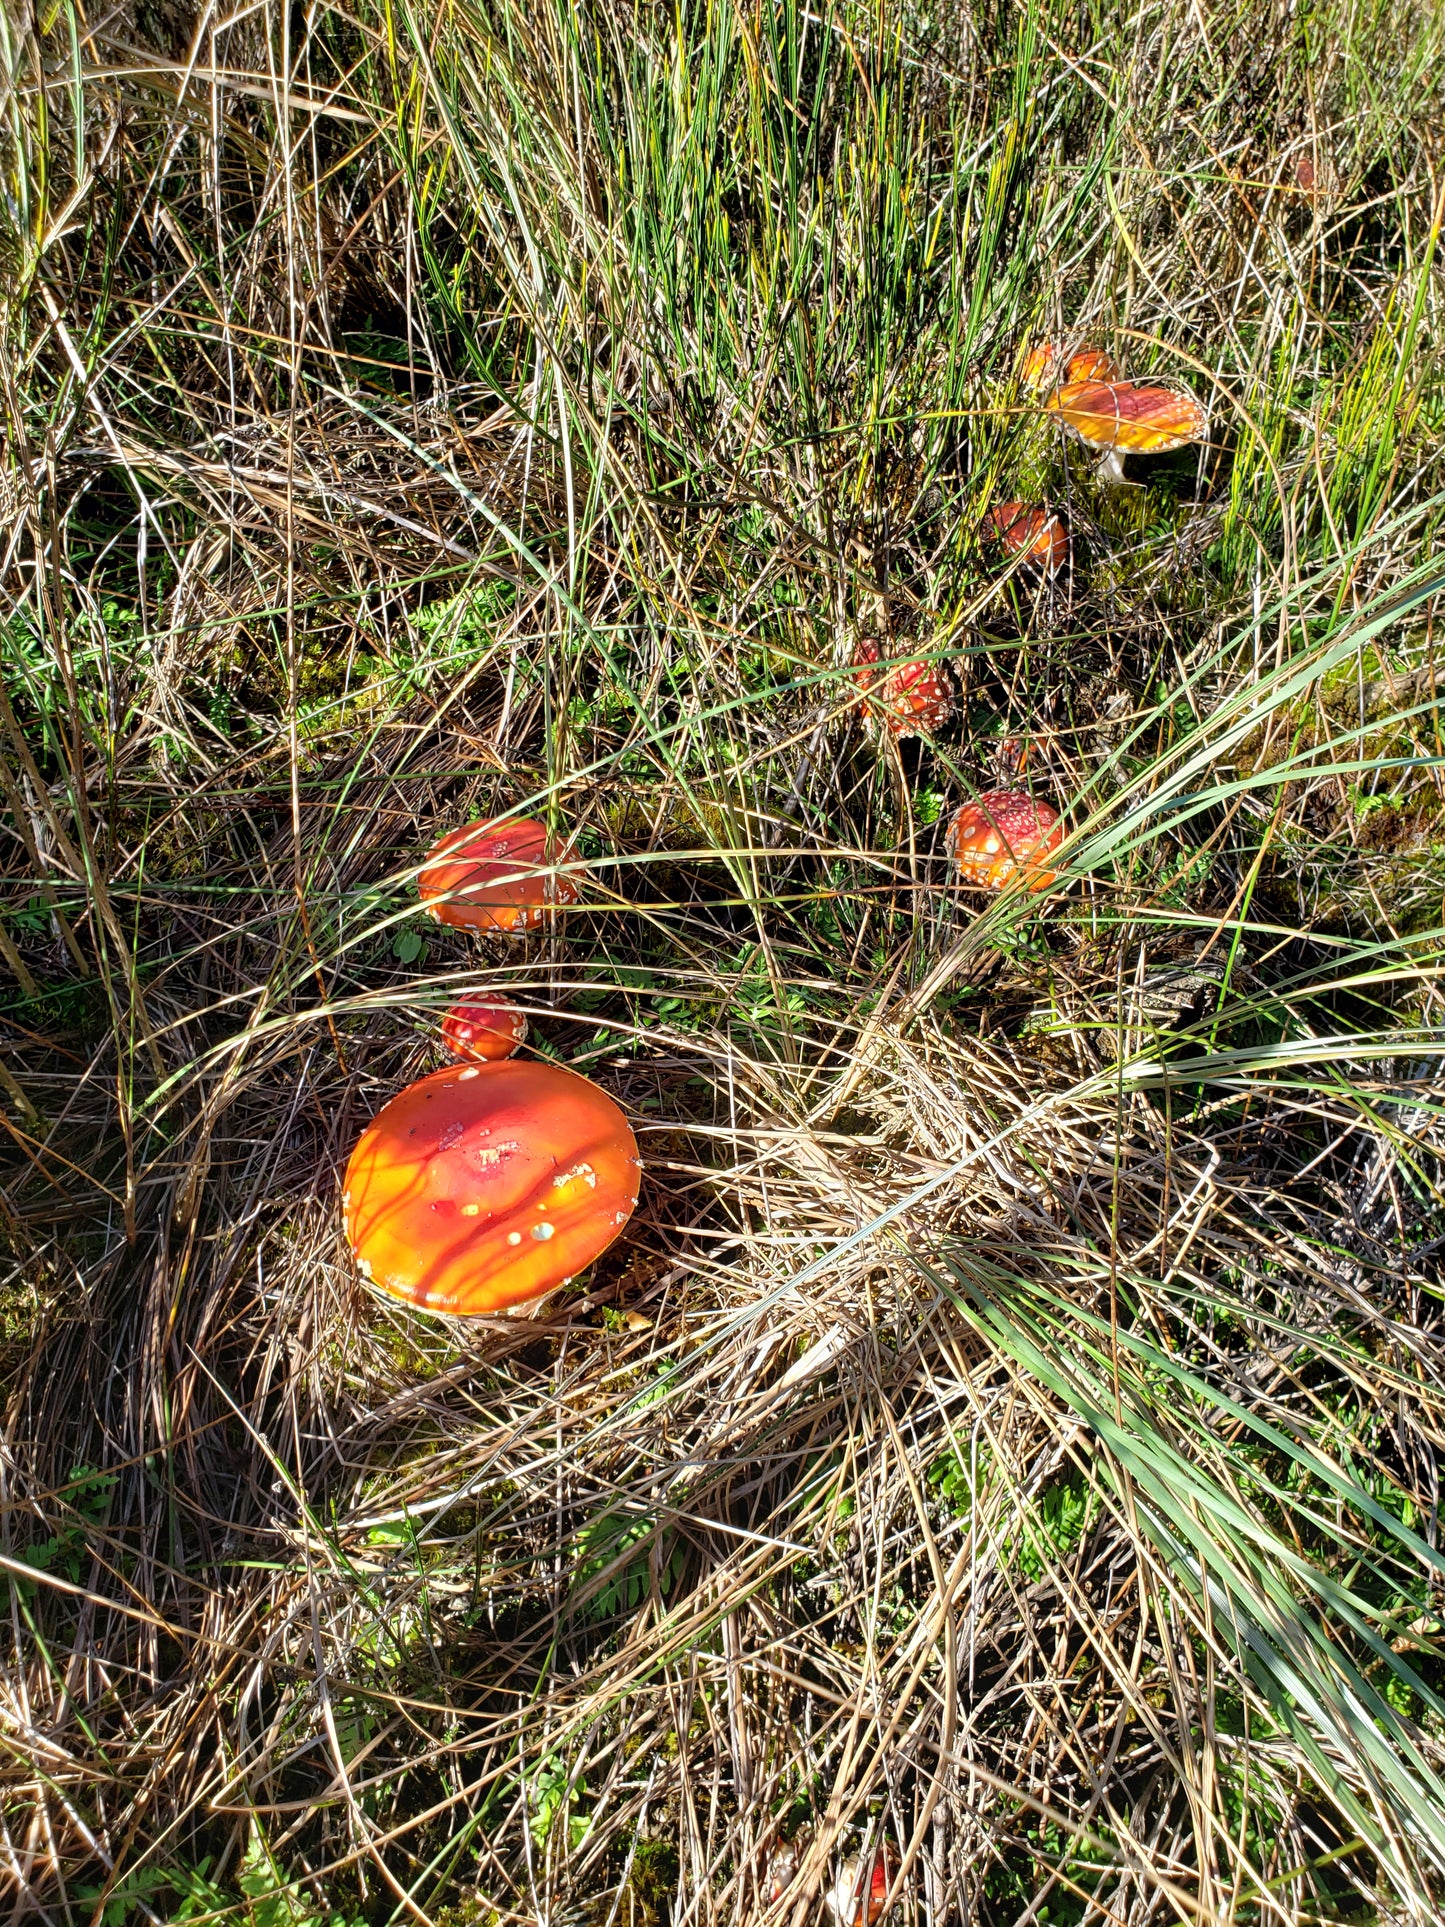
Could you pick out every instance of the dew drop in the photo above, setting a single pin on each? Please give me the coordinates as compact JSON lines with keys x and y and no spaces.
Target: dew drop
{"x":514,"y":1237}
{"x":470,"y":1073}
{"x":542,"y":1232}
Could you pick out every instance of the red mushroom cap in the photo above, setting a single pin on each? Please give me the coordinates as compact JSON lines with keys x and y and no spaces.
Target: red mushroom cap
{"x":497,"y":875}
{"x":1136,"y":420}
{"x":912,"y":698}
{"x":857,"y":1896}
{"x":484,"y":1186}
{"x":1040,"y":537}
{"x":1000,"y":836}
{"x":484,"y":1033}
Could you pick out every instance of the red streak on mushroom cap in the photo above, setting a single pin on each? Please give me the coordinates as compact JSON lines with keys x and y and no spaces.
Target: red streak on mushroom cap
{"x":484,"y":1186}
{"x":909,"y":698}
{"x":1001,"y":836}
{"x":1122,"y":415}
{"x":497,"y":875}
{"x":1040,"y":537}
{"x":484,"y":1032}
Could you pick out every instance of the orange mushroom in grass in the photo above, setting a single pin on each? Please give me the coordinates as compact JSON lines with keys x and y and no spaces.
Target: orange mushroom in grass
{"x":1121,"y":418}
{"x":1049,"y":363}
{"x":1040,"y":537}
{"x":1001,"y":837}
{"x":485,"y":1186}
{"x":502,"y":874}
{"x":484,"y":1032}
{"x":912,"y":698}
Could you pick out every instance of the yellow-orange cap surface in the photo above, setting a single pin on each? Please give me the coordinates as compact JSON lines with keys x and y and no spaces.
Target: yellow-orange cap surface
{"x":1120,"y":414}
{"x":1001,"y":835}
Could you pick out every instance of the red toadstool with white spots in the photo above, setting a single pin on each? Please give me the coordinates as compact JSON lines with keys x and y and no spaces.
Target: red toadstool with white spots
{"x":484,"y":1032}
{"x":856,"y":1897}
{"x":505,"y":874}
{"x":1001,"y":836}
{"x":913,"y":698}
{"x":484,"y":1186}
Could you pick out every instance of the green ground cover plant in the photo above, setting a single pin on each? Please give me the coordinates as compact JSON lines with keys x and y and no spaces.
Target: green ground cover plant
{"x":1009,"y":1429}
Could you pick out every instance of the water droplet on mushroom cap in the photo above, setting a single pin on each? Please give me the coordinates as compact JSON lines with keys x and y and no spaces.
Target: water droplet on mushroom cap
{"x":486,"y":1144}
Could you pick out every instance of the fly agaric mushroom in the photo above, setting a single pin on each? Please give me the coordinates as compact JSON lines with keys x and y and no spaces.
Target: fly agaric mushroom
{"x":1121,"y":418}
{"x":908,"y":698}
{"x":497,"y":875}
{"x":484,"y":1033}
{"x":856,"y":1897}
{"x":484,"y":1186}
{"x":1049,"y":363}
{"x":1092,"y":364}
{"x":1042,"y":539}
{"x":1000,"y":836}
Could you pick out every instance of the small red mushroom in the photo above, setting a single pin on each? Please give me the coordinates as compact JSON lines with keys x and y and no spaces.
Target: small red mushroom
{"x":856,"y":1898}
{"x":484,"y":1033}
{"x":484,"y":1186}
{"x":1040,"y":537}
{"x":1001,"y":836}
{"x":497,"y":875}
{"x":911,"y":698}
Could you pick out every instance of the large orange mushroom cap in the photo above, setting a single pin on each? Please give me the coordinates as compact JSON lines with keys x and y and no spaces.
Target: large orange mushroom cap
{"x":1001,"y":836}
{"x":912,"y":698}
{"x":484,"y":1033}
{"x":496,"y":875}
{"x":484,"y":1186}
{"x":1124,"y":418}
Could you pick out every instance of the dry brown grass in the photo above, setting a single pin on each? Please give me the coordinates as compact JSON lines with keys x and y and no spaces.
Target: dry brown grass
{"x":1009,"y":1428}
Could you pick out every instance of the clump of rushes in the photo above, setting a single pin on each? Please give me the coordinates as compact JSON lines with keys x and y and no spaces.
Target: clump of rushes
{"x":1039,"y":535}
{"x":908,"y":698}
{"x":1002,"y":837}
{"x":484,"y":1031}
{"x":506,"y":874}
{"x":483,"y":1187}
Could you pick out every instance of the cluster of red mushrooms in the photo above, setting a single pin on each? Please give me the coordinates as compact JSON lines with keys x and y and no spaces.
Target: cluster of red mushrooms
{"x":484,"y":1186}
{"x":1003,"y":837}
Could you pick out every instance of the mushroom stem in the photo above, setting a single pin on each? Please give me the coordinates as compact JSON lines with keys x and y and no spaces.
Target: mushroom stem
{"x":1111,"y":470}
